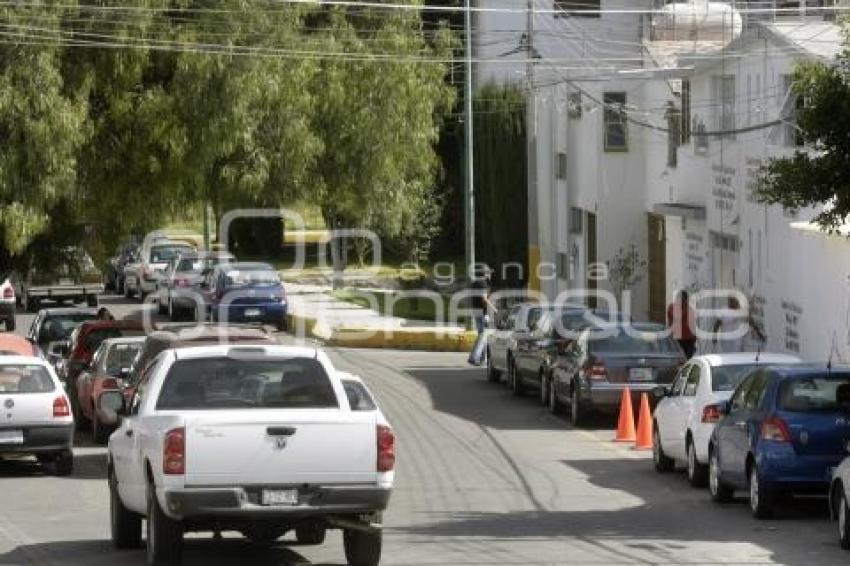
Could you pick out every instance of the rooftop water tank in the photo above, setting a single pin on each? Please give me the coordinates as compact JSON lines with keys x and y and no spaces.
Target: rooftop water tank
{"x":697,"y":20}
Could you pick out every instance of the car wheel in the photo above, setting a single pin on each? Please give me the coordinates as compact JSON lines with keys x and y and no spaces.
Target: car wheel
{"x":310,"y":534}
{"x":843,"y":515}
{"x":10,"y":324}
{"x":697,"y":473}
{"x":282,"y":324}
{"x":577,"y":410}
{"x":492,"y":373}
{"x":165,"y":535}
{"x":362,"y":548}
{"x":544,"y":389}
{"x":91,"y":301}
{"x":663,"y":463}
{"x":720,"y":492}
{"x":517,"y":386}
{"x":555,"y":406}
{"x":761,"y":498}
{"x":63,"y":465}
{"x":126,"y":526}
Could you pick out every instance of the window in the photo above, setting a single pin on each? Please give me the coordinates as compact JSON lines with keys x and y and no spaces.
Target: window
{"x":686,"y":112}
{"x":679,"y":385}
{"x":616,"y":128}
{"x":749,"y":99}
{"x":724,"y":105}
{"x":692,"y":383}
{"x":755,"y":393}
{"x":561,"y":166}
{"x":737,"y":402}
{"x":20,"y":378}
{"x":358,"y":397}
{"x":534,"y":316}
{"x":245,"y":383}
{"x":790,"y":110}
{"x":577,"y":8}
{"x":674,"y":133}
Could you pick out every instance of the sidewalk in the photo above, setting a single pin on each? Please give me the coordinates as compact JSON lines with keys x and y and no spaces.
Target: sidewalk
{"x":314,"y":312}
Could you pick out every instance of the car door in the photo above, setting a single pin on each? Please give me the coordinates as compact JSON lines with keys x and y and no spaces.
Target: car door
{"x":534,"y":345}
{"x":669,"y":410}
{"x":687,"y":403}
{"x":497,"y":340}
{"x":727,"y":431}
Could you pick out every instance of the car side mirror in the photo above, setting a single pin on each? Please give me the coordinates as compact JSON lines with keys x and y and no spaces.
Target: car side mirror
{"x":661,"y":392}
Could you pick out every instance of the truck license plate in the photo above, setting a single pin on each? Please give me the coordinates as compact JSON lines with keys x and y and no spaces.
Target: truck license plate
{"x":640,"y":374}
{"x":280,"y":497}
{"x":11,"y":436}
{"x":252,"y":312}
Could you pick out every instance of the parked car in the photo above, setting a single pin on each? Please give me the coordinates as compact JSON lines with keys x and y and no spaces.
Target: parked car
{"x":84,"y":342}
{"x":190,"y":335}
{"x":114,"y":274}
{"x":14,"y":345}
{"x":502,"y":341}
{"x":99,"y":386}
{"x":179,"y":289}
{"x":246,"y":292}
{"x":839,"y":500}
{"x":38,"y":420}
{"x":8,"y":301}
{"x":783,"y":430}
{"x":51,"y":329}
{"x":141,"y":278}
{"x":686,"y":413}
{"x":591,"y":372}
{"x":72,"y":277}
{"x":262,"y":440}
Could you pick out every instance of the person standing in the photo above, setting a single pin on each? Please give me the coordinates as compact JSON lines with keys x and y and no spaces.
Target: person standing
{"x":481,"y":307}
{"x":680,"y":320}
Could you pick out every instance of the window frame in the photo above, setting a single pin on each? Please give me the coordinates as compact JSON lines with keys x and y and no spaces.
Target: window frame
{"x":613,"y":118}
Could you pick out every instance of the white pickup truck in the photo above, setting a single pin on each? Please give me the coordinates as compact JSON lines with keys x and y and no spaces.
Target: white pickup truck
{"x":256,"y":439}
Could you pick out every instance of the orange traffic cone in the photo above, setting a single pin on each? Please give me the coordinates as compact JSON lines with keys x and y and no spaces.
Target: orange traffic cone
{"x":626,"y":424}
{"x":644,"y":431}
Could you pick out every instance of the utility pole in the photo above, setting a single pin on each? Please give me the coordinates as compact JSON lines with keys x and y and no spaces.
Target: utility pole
{"x":531,"y":153}
{"x":468,"y":193}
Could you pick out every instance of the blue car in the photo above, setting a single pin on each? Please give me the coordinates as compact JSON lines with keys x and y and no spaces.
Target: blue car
{"x":247,"y":292}
{"x":784,"y":430}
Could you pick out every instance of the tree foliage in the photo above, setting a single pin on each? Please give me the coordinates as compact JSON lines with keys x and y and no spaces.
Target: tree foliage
{"x":819,"y":176}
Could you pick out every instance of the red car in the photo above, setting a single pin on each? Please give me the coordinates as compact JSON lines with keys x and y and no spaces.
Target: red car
{"x":14,"y":345}
{"x":86,"y":339}
{"x":98,"y":384}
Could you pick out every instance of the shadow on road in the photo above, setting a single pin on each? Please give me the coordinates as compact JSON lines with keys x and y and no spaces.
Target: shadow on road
{"x":197,"y":551}
{"x":672,"y":514}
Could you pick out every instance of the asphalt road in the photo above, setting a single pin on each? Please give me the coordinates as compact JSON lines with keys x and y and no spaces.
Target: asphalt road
{"x":483,"y":478}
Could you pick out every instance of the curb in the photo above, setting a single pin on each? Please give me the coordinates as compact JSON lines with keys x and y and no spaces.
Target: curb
{"x":448,"y":340}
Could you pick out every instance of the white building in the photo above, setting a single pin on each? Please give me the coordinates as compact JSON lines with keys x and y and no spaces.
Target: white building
{"x":607,"y":179}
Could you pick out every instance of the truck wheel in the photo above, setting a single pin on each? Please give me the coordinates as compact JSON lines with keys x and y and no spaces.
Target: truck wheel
{"x":31,"y":305}
{"x":63,"y":465}
{"x":91,"y":300}
{"x":165,"y":535}
{"x":10,"y":323}
{"x":126,"y":526}
{"x":362,"y":548}
{"x":264,"y":535}
{"x":310,"y":534}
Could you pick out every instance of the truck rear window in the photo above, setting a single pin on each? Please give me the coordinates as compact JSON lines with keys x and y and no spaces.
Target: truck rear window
{"x":20,"y":378}
{"x":228,"y":383}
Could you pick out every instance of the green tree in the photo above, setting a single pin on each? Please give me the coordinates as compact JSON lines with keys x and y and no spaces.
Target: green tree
{"x":41,"y":129}
{"x":819,"y":176}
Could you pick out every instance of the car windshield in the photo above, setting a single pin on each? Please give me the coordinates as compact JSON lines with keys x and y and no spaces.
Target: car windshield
{"x":815,"y":393}
{"x":231,"y":383}
{"x":727,"y":377}
{"x":120,"y":356}
{"x":95,"y":337}
{"x":635,"y":341}
{"x":60,"y":327}
{"x":251,"y":278}
{"x":164,"y":254}
{"x":20,"y":378}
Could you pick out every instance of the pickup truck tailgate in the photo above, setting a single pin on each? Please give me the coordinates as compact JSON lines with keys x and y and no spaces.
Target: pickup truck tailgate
{"x":271,"y":447}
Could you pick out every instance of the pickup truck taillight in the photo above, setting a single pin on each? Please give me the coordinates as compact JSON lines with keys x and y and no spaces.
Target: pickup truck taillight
{"x":8,"y":292}
{"x":174,"y":452}
{"x":61,"y":407}
{"x":386,"y":449}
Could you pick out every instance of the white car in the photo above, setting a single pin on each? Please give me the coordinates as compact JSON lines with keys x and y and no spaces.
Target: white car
{"x":8,"y":300}
{"x":687,"y":412}
{"x":839,"y":501}
{"x":258,"y":439}
{"x":141,"y":278}
{"x":37,"y":413}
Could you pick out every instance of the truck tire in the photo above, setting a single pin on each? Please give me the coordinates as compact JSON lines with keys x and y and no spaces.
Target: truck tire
{"x":125,"y":525}
{"x":165,"y":535}
{"x":310,"y":534}
{"x":362,"y":548}
{"x":10,"y":324}
{"x":63,"y":465}
{"x":91,"y":300}
{"x":30,"y":305}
